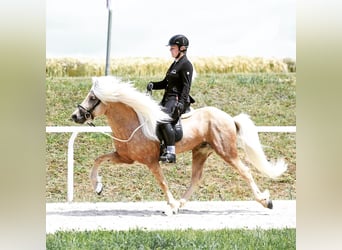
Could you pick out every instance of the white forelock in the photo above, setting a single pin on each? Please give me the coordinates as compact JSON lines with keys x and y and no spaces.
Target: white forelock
{"x":113,"y":89}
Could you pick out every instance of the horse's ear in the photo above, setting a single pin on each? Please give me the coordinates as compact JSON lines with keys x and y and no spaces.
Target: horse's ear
{"x":95,"y":80}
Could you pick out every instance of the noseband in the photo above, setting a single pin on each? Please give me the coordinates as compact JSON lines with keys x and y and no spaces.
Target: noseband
{"x":88,"y":112}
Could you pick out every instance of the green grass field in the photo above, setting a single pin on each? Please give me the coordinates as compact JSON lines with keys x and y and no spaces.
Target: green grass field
{"x":284,"y":239}
{"x":268,"y":98}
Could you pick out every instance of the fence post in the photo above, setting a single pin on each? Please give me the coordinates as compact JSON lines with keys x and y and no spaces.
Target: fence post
{"x":71,"y":166}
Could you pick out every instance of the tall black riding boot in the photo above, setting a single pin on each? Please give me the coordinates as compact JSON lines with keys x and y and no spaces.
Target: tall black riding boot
{"x":168,"y":135}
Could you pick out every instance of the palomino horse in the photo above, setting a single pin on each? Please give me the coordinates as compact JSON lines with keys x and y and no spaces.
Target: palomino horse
{"x":133,"y":117}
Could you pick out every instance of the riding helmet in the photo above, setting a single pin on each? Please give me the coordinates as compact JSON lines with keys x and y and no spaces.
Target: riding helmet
{"x":179,"y":40}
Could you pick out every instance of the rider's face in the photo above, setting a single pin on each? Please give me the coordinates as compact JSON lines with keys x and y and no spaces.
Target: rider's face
{"x":174,"y":50}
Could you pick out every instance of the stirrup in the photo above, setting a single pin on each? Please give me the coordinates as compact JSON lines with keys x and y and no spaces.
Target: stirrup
{"x":168,"y":158}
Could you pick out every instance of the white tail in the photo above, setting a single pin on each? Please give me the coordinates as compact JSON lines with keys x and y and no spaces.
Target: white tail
{"x":249,"y":139}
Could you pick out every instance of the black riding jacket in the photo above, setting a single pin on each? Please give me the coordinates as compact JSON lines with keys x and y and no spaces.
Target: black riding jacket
{"x":177,"y":83}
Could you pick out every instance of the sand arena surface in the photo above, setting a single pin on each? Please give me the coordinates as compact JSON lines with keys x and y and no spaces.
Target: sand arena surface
{"x":150,"y":215}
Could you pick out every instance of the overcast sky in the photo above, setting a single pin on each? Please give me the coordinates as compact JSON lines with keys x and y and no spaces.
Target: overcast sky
{"x":265,"y":28}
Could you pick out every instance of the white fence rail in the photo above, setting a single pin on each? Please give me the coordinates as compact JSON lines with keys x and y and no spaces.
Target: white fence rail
{"x":105,"y":129}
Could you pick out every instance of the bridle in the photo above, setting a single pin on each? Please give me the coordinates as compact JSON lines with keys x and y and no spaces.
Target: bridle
{"x":89,"y":117}
{"x":88,"y":112}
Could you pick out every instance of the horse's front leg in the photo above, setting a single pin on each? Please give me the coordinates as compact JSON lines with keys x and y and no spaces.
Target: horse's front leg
{"x":113,"y":157}
{"x":158,"y":174}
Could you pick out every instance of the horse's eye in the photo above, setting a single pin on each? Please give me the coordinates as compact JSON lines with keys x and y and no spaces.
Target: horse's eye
{"x":93,"y":98}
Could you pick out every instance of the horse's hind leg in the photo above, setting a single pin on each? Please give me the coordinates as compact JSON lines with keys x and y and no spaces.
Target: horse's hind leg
{"x":199,"y":156}
{"x":229,"y":153}
{"x":244,"y":171}
{"x":94,"y":177}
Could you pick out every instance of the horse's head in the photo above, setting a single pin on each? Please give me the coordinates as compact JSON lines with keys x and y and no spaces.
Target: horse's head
{"x":87,"y":110}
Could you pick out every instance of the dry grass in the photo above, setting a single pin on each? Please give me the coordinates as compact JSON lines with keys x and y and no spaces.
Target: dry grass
{"x":71,"y":67}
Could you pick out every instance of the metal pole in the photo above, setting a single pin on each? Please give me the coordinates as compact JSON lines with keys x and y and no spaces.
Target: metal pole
{"x":109,"y":6}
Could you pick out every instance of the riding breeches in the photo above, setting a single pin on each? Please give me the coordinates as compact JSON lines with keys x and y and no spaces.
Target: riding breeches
{"x":167,"y":129}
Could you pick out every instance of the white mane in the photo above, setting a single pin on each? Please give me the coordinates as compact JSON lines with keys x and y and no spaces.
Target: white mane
{"x":112,"y":89}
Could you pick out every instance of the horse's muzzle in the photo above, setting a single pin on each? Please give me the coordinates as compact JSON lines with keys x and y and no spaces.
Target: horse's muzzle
{"x":78,"y":117}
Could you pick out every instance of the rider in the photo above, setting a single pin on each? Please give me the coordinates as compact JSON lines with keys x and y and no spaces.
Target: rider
{"x":176,"y":99}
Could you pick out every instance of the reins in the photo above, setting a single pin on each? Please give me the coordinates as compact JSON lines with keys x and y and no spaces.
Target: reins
{"x":88,"y":115}
{"x":118,"y":139}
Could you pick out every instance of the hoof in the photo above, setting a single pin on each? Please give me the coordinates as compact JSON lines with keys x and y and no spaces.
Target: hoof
{"x":182,"y":202}
{"x":175,"y":211}
{"x":170,"y":212}
{"x":270,"y":204}
{"x":99,"y":188}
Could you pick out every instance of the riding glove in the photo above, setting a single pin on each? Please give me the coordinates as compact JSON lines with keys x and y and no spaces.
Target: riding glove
{"x":149,"y":86}
{"x":178,"y":110}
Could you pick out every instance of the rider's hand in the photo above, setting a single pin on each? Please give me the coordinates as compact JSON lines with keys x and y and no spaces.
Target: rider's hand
{"x":149,"y":86}
{"x":180,"y":107}
{"x":178,"y":110}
